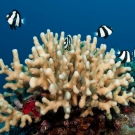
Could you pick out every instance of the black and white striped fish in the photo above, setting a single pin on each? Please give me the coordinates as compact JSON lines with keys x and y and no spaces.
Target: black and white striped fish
{"x":14,"y":19}
{"x":67,"y":42}
{"x":125,"y":56}
{"x":104,"y":31}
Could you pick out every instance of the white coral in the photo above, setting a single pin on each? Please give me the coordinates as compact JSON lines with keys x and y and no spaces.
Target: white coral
{"x":87,"y":72}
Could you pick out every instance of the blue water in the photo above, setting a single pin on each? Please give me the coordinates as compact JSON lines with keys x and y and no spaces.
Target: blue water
{"x":72,"y":16}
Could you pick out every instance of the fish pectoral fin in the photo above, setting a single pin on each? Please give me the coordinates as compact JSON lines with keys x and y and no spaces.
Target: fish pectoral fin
{"x":105,"y":37}
{"x":11,"y":27}
{"x":14,"y":27}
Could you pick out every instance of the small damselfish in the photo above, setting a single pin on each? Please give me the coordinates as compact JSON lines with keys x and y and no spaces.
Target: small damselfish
{"x":14,"y":19}
{"x":125,"y":56}
{"x":103,"y":31}
{"x":67,"y":42}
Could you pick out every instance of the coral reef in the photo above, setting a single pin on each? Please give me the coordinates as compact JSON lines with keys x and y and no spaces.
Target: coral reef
{"x":85,"y":77}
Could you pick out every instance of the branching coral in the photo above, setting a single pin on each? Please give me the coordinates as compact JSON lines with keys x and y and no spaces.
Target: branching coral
{"x":84,"y":76}
{"x":10,"y":116}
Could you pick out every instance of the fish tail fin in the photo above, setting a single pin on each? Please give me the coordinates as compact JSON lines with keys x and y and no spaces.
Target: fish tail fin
{"x":116,"y":50}
{"x":95,"y":34}
{"x":23,"y":21}
{"x":134,"y":53}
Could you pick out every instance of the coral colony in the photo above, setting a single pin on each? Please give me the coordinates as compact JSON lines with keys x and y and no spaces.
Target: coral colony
{"x":81,"y":91}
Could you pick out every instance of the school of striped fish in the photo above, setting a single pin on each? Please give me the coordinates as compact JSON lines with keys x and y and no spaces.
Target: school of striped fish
{"x":104,"y":31}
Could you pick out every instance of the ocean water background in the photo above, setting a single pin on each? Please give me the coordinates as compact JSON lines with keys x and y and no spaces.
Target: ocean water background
{"x":71,"y":16}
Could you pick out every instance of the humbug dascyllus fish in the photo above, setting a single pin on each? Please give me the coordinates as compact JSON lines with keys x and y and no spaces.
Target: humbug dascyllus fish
{"x":125,"y":55}
{"x":103,"y":31}
{"x":14,"y":19}
{"x":67,"y":42}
